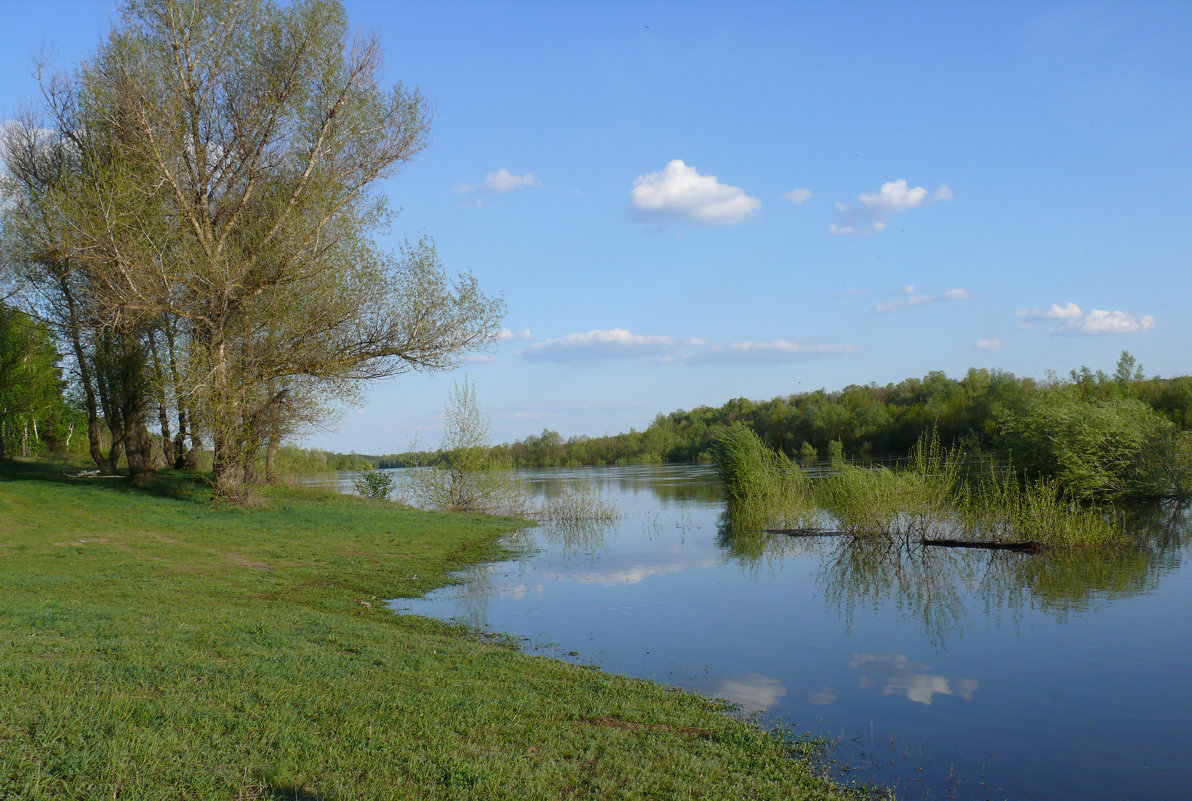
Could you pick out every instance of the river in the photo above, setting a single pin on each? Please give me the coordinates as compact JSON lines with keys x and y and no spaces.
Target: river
{"x":945,"y":674}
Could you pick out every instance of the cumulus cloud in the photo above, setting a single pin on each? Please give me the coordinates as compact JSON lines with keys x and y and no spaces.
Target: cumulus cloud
{"x":499,"y":183}
{"x":680,"y":194}
{"x":988,"y":344}
{"x":873,"y":210}
{"x":613,"y":343}
{"x":898,"y":675}
{"x":912,"y":298}
{"x":1070,"y":319}
{"x":773,"y":352}
{"x":798,"y":196}
{"x":507,"y":334}
{"x":619,"y":343}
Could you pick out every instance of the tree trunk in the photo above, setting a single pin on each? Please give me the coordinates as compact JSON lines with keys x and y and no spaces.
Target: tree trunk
{"x":163,"y":417}
{"x":76,"y":342}
{"x":138,"y":446}
{"x":225,"y":424}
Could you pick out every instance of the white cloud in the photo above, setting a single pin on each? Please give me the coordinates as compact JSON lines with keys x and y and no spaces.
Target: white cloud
{"x":988,"y":344}
{"x":614,"y":343}
{"x":912,"y":299}
{"x":1070,"y":319}
{"x":772,"y":352}
{"x":507,"y":334}
{"x":477,"y":358}
{"x":848,"y":293}
{"x":874,"y":209}
{"x":499,"y":182}
{"x":798,"y":196}
{"x":680,"y":194}
{"x":619,"y":343}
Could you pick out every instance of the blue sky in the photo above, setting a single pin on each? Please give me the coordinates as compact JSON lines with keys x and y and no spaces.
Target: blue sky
{"x":683,"y":203}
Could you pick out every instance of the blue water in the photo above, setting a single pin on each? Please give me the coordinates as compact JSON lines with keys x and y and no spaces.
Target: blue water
{"x":945,"y":674}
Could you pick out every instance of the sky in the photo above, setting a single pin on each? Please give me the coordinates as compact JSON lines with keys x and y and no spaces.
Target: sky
{"x":684,"y":203}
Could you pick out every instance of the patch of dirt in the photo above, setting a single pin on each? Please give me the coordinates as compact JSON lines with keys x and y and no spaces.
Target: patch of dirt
{"x":243,"y":561}
{"x":609,"y":721}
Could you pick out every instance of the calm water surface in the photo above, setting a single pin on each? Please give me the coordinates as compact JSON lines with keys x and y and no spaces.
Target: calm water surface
{"x":947,"y":674}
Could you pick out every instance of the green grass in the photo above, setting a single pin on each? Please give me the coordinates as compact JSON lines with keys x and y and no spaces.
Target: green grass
{"x":157,"y":647}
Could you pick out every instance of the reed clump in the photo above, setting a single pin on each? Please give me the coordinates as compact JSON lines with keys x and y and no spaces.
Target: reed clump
{"x":936,"y":494}
{"x":578,"y":504}
{"x":1001,"y":507}
{"x":763,"y":487}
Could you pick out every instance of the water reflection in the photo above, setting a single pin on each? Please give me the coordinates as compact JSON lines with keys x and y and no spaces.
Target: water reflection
{"x":861,"y":639}
{"x":936,"y":586}
{"x":752,"y":692}
{"x":896,"y":674}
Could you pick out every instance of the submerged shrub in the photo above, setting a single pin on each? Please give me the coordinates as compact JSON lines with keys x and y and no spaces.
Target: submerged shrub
{"x":1097,"y":449}
{"x":579,"y":504}
{"x":763,"y":487}
{"x":865,"y":502}
{"x":376,"y":484}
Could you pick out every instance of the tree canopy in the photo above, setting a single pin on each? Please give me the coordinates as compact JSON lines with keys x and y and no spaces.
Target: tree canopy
{"x":197,"y":205}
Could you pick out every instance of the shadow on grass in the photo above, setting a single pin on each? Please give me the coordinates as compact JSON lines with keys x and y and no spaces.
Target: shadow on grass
{"x":175,"y":485}
{"x":282,"y":792}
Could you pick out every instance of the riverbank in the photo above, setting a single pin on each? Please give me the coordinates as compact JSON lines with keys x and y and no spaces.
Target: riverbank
{"x":156,"y":646}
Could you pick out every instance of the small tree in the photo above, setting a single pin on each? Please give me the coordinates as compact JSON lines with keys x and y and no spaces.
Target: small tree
{"x":466,"y":477}
{"x":375,"y":484}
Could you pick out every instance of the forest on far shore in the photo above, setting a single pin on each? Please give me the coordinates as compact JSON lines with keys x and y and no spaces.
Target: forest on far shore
{"x":989,"y":409}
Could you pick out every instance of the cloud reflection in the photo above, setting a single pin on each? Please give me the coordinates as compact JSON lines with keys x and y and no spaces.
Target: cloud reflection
{"x":897,"y":675}
{"x":753,"y":692}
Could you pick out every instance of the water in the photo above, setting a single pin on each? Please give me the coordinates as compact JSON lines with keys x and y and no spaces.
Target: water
{"x":943,"y":673}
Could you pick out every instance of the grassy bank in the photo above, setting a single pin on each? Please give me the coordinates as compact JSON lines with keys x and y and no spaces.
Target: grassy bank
{"x":154,"y":646}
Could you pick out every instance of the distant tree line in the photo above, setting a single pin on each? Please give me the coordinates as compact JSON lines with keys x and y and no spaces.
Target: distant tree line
{"x":988,"y":409}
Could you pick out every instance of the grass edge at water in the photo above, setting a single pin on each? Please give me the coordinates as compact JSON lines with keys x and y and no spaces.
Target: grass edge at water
{"x":156,"y":646}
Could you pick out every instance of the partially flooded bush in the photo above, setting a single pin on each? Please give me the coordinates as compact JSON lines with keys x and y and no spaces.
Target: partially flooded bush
{"x":763,"y":487}
{"x":937,"y":494}
{"x":376,"y":484}
{"x":576,"y":504}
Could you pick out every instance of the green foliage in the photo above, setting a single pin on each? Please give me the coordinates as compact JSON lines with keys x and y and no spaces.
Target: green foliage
{"x":1096,"y":448}
{"x":33,"y":411}
{"x":763,"y":487}
{"x":1001,"y":507}
{"x":870,"y":422}
{"x":295,"y":461}
{"x":935,"y":494}
{"x":376,"y":484}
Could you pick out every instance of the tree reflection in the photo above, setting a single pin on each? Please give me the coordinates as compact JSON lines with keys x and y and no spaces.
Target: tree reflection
{"x":944,"y":589}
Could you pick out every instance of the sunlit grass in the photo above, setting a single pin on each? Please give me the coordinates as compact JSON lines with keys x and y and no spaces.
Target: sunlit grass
{"x":154,"y":646}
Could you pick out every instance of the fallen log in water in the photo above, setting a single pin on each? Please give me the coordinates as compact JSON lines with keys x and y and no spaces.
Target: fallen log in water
{"x":804,"y":532}
{"x":989,"y":545}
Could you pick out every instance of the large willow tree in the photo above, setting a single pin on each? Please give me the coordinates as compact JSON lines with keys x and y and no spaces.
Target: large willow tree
{"x":225,"y":156}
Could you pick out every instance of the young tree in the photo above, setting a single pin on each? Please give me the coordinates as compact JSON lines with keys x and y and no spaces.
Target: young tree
{"x":466,"y":477}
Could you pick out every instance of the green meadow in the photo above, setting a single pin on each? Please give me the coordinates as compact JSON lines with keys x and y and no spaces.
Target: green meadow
{"x":155,"y":645}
